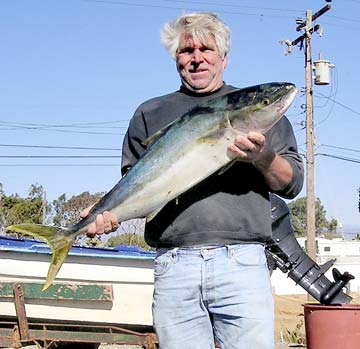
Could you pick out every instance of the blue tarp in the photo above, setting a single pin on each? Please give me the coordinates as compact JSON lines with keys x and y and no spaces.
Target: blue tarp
{"x":36,"y":246}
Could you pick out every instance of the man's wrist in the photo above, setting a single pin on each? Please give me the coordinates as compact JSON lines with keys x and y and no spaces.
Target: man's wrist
{"x":264,"y":161}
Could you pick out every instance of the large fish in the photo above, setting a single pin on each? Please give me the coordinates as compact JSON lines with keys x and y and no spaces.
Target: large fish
{"x":178,"y":157}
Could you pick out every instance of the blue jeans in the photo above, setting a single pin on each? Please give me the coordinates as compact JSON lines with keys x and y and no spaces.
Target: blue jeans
{"x":213,"y":293}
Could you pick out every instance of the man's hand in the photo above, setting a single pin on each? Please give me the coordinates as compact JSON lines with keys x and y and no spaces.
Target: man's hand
{"x":104,"y":223}
{"x":253,"y":148}
{"x":250,"y":148}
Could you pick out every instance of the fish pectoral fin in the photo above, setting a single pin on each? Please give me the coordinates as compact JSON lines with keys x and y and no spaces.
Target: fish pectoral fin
{"x":226,"y":167}
{"x":154,"y":137}
{"x":59,"y":242}
{"x":212,"y":137}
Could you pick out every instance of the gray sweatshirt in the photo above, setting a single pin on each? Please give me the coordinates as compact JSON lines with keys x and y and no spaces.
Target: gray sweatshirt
{"x":223,"y":209}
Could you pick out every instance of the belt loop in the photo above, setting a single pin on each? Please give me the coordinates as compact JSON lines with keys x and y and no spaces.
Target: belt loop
{"x":174,"y":254}
{"x":230,"y":251}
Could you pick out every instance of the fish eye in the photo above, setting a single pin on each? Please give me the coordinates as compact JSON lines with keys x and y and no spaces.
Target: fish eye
{"x":266,"y":101}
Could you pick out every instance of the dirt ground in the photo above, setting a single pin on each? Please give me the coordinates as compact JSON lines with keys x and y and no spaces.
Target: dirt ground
{"x":289,"y":318}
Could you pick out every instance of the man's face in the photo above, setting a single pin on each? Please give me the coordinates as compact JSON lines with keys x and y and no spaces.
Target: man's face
{"x":199,"y":64}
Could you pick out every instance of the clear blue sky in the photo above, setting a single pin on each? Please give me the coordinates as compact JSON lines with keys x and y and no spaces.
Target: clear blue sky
{"x":73,"y":72}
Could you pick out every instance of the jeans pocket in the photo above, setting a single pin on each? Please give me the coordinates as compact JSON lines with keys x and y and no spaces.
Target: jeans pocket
{"x":253,"y":255}
{"x":163,"y":263}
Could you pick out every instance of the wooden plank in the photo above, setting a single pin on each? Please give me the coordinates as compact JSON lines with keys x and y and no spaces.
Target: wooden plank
{"x":19,"y":294}
{"x":93,"y":292}
{"x":87,"y":337}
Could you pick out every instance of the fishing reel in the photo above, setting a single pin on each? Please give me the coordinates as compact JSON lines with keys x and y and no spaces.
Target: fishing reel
{"x":285,"y":253}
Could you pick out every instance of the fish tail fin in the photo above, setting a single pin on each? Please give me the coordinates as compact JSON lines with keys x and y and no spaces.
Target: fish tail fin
{"x":59,"y":242}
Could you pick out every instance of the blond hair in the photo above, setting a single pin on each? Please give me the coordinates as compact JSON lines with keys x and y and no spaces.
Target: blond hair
{"x":199,"y":25}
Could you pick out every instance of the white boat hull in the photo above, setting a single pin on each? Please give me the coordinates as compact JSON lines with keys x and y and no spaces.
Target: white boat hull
{"x":129,"y":275}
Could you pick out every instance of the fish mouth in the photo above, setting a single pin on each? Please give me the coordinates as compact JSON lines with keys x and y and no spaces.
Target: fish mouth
{"x":286,"y":100}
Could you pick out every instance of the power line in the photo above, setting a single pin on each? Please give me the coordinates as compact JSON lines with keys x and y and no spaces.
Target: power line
{"x":57,"y":147}
{"x":346,"y":27}
{"x":125,"y":3}
{"x":11,"y":126}
{"x":66,"y":125}
{"x":340,"y":148}
{"x":346,"y":19}
{"x":222,"y":4}
{"x":341,"y":104}
{"x":59,"y":165}
{"x":62,"y":131}
{"x":235,"y":6}
{"x":58,"y":156}
{"x":333,"y":93}
{"x":340,"y":157}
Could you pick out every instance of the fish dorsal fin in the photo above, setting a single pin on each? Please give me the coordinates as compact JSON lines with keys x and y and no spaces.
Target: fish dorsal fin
{"x":226,"y":167}
{"x":213,"y":135}
{"x":217,"y":132}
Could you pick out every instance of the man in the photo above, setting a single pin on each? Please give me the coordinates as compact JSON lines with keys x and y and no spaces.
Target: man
{"x":211,"y":276}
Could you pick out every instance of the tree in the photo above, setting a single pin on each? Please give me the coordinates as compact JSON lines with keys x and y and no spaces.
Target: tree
{"x":15,"y":210}
{"x":128,"y":239}
{"x":64,"y":213}
{"x":298,"y":218}
{"x":130,"y":233}
{"x":333,"y":224}
{"x":67,"y":212}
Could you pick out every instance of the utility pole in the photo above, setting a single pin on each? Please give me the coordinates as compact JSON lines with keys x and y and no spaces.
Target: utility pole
{"x":305,"y":39}
{"x":310,"y":190}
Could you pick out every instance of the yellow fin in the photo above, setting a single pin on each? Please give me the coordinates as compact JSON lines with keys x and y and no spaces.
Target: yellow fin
{"x":59,"y":242}
{"x":57,"y":261}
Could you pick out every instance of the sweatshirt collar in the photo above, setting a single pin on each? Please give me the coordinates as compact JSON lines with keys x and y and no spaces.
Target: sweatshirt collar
{"x":184,"y":90}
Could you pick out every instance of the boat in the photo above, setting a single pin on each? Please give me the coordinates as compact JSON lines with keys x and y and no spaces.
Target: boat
{"x":104,"y":285}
